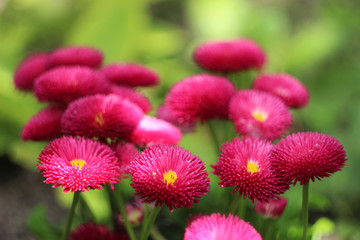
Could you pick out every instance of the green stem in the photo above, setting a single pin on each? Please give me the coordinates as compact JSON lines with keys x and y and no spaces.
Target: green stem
{"x":269,"y":229}
{"x":121,"y":206}
{"x":149,"y":222}
{"x":305,"y":210}
{"x":86,"y":212}
{"x":155,"y":234}
{"x":234,"y":205}
{"x":71,"y":215}
{"x":242,"y":208}
{"x":113,"y":204}
{"x":214,"y":136}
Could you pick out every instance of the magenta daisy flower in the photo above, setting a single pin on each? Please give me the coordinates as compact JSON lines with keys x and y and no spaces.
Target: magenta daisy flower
{"x":31,"y":67}
{"x":130,"y":74}
{"x":308,"y":155}
{"x":229,"y":56}
{"x":151,"y":131}
{"x":126,"y":153}
{"x":218,"y":227}
{"x":260,"y":114}
{"x":92,"y":231}
{"x":201,"y":97}
{"x":274,"y":208}
{"x":45,"y":125}
{"x":133,"y":95}
{"x":102,"y":116}
{"x":169,"y":175}
{"x":245,"y":164}
{"x":285,"y":86}
{"x":78,"y":164}
{"x":75,"y":56}
{"x":65,"y":84}
{"x":164,"y":112}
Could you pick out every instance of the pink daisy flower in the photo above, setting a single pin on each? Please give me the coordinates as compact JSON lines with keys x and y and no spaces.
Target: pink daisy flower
{"x":75,"y":55}
{"x":130,"y":74}
{"x":285,"y":86}
{"x":201,"y":97}
{"x":92,"y":231}
{"x":45,"y":125}
{"x":102,"y":116}
{"x":219,"y":227}
{"x":135,"y":210}
{"x":169,"y":175}
{"x":31,"y":67}
{"x":308,"y":155}
{"x":134,"y":96}
{"x":245,"y":164}
{"x":151,"y":131}
{"x":163,"y":112}
{"x":126,"y":153}
{"x":78,"y":164}
{"x":65,"y":84}
{"x":274,"y":208}
{"x":260,"y":114}
{"x":229,"y":56}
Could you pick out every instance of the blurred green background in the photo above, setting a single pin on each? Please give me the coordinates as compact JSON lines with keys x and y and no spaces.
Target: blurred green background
{"x":316,"y":41}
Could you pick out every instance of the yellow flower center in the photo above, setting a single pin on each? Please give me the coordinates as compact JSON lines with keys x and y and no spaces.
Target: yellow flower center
{"x":78,"y":163}
{"x":169,"y":177}
{"x":252,"y":167}
{"x":259,"y":116}
{"x":99,"y":119}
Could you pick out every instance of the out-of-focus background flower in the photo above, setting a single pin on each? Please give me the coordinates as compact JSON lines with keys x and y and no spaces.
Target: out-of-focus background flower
{"x":316,"y":41}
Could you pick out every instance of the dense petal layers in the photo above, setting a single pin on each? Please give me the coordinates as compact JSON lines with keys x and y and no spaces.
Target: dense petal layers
{"x":30,"y":68}
{"x":229,"y":56}
{"x":134,"y":96}
{"x":163,"y":112}
{"x":274,"y":208}
{"x":285,"y":86}
{"x":45,"y":125}
{"x":245,"y":164}
{"x":308,"y":155}
{"x":75,"y":56}
{"x":220,"y":227}
{"x":78,"y":164}
{"x":151,"y":131}
{"x":169,"y":175}
{"x":130,"y":74}
{"x":102,"y":116}
{"x":260,"y":114}
{"x":65,"y":84}
{"x":201,"y":97}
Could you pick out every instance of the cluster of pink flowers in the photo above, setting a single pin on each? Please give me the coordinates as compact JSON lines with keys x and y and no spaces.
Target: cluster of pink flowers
{"x":97,"y":120}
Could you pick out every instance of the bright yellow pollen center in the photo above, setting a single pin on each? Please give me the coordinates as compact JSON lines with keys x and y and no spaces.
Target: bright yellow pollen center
{"x":99,"y":119}
{"x":252,"y":167}
{"x":78,"y":163}
{"x":259,"y":116}
{"x":169,"y":177}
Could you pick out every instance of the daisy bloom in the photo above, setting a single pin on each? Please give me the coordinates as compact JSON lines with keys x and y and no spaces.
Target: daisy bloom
{"x":308,"y":155}
{"x":92,"y":231}
{"x":259,"y":113}
{"x":152,"y":131}
{"x":65,"y":84}
{"x":75,"y":56}
{"x":245,"y":164}
{"x":229,"y":56}
{"x":102,"y":116}
{"x":219,"y":227}
{"x":130,"y":74}
{"x":28,"y":70}
{"x":45,"y":125}
{"x":163,"y":112}
{"x":285,"y":86}
{"x":78,"y":164}
{"x":274,"y":208}
{"x":170,"y":175}
{"x":126,"y":152}
{"x":132,"y":95}
{"x":201,"y":96}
